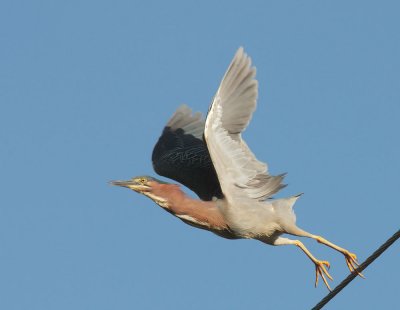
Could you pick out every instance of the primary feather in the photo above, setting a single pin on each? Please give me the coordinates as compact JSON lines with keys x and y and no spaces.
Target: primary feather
{"x":229,"y":114}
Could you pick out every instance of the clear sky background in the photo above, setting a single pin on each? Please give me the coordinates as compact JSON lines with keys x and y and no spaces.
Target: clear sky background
{"x":85,"y":90}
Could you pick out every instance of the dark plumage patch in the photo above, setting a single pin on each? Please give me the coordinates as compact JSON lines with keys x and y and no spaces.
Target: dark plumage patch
{"x":185,"y":159}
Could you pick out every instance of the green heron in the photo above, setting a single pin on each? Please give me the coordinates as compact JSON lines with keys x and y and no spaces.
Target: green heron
{"x":235,"y":189}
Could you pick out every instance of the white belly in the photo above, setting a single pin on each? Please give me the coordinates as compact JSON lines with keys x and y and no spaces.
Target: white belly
{"x":251,"y":219}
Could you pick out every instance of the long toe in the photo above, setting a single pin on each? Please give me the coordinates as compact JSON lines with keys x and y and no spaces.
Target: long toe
{"x":321,"y":271}
{"x":352,"y":263}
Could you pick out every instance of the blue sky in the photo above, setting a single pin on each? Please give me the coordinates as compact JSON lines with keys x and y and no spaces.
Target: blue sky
{"x":85,"y":89}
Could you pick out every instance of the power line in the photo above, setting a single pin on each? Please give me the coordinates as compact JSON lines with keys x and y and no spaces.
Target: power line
{"x":351,"y":277}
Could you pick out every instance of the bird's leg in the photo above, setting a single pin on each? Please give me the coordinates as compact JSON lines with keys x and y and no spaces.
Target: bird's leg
{"x":351,"y":259}
{"x":320,"y":265}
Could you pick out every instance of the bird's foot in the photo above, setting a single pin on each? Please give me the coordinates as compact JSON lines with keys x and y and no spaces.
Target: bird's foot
{"x":320,"y":270}
{"x":351,"y":259}
{"x":352,"y":263}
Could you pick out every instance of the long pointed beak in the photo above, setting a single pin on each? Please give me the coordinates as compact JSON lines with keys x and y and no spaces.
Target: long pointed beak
{"x":123,"y":183}
{"x":131,"y":184}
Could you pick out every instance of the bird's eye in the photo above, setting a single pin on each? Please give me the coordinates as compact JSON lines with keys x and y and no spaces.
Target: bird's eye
{"x":142,"y":180}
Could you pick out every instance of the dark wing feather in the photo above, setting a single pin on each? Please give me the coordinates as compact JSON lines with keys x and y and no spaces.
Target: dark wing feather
{"x":182,"y":155}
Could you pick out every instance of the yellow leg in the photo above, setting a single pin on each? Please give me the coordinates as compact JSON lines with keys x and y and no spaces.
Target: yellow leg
{"x":351,"y":259}
{"x":320,"y":266}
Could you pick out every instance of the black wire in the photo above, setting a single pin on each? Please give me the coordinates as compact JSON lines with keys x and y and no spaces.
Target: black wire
{"x":364,"y":265}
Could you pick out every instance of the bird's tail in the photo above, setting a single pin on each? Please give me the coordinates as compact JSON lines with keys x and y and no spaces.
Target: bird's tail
{"x":284,"y":210}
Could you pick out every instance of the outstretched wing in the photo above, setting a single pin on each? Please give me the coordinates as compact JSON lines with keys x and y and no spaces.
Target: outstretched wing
{"x":181,"y":154}
{"x":229,"y":114}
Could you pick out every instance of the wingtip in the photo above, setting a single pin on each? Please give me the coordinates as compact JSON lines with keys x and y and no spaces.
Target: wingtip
{"x":240,"y":53}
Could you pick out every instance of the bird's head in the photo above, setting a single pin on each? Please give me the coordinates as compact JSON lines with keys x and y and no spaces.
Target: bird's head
{"x":145,"y":185}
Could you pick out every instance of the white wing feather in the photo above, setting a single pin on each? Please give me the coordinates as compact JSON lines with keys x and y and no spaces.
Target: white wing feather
{"x":229,"y":114}
{"x":183,"y":118}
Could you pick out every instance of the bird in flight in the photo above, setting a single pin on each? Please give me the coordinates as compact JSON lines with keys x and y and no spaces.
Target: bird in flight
{"x":235,"y":188}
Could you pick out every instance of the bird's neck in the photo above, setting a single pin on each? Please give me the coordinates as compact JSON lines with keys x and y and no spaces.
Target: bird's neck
{"x":202,"y":214}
